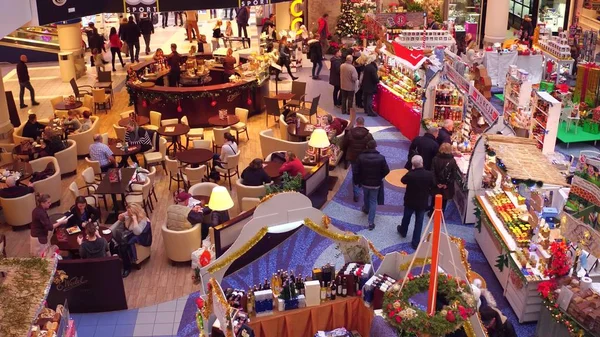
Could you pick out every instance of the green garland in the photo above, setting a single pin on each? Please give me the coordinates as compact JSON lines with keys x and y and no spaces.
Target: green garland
{"x":410,"y":320}
{"x":575,"y":330}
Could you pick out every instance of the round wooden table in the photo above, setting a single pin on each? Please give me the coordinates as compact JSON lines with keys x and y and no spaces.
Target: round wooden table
{"x":119,"y":152}
{"x":272,"y":169}
{"x":64,"y":106}
{"x":283,"y":96}
{"x":29,"y":153}
{"x":229,"y":121}
{"x":299,"y":132}
{"x":20,"y":166}
{"x":194,"y":156}
{"x":178,"y":130}
{"x":68,"y":242}
{"x":140,"y":120}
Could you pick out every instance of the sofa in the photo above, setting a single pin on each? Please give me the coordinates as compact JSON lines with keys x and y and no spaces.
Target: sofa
{"x":86,"y":138}
{"x":179,"y":236}
{"x":269,"y":144}
{"x":244,"y":191}
{"x":18,"y":135}
{"x":51,"y":185}
{"x":17,"y":211}
{"x":67,"y":158}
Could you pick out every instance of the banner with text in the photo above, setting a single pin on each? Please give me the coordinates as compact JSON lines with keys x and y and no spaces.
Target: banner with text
{"x":141,"y":6}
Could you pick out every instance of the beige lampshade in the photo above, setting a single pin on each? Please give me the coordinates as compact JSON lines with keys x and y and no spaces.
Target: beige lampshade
{"x":220,"y":200}
{"x":319,"y":139}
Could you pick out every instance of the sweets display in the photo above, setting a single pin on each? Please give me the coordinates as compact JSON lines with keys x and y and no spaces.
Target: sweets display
{"x":402,"y":82}
{"x":448,"y":102}
{"x":513,"y":218}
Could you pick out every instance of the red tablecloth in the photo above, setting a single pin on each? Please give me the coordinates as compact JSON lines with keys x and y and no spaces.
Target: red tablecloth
{"x":398,"y":112}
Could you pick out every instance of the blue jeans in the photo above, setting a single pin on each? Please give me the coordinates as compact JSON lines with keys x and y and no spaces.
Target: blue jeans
{"x":370,"y":196}
{"x":419,"y":215}
{"x":355,"y":188}
{"x":317,"y":66}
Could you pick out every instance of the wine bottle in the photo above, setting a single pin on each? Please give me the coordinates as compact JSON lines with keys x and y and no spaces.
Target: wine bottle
{"x":339,"y":286}
{"x":323,"y":292}
{"x":333,"y":290}
{"x":327,"y":291}
{"x":344,"y":289}
{"x":356,"y":285}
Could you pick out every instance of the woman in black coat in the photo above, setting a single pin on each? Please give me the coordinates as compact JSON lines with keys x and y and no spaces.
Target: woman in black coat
{"x":82,"y":213}
{"x":334,"y":77}
{"x":445,"y":171}
{"x":316,"y":56}
{"x":285,"y":57}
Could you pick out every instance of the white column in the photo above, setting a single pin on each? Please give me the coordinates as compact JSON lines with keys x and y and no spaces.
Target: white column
{"x":69,"y":40}
{"x":6,"y":127}
{"x":496,"y":21}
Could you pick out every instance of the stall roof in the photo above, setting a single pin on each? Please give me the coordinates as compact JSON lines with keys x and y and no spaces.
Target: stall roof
{"x":524,"y":160}
{"x":411,"y":58}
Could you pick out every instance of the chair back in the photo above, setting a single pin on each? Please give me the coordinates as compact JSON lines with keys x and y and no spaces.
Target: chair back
{"x":233,"y":161}
{"x":219,"y":135}
{"x":283,"y":132}
{"x":242,"y":114}
{"x":298,"y":89}
{"x":171,"y":121}
{"x":104,"y":76}
{"x":315,"y":105}
{"x":243,"y":191}
{"x":202,"y":189}
{"x":184,"y":120}
{"x":74,"y":190}
{"x":272,"y":106}
{"x":162,"y":147}
{"x":155,"y":118}
{"x":88,"y":176}
{"x":74,"y":87}
{"x":17,"y":211}
{"x":99,"y":95}
{"x":95,"y":165}
{"x":55,"y":101}
{"x":119,"y":131}
{"x":104,"y":138}
{"x":88,"y":102}
{"x":202,"y":144}
{"x":172,"y":166}
{"x":146,"y":188}
{"x":152,"y":175}
{"x":195,"y":174}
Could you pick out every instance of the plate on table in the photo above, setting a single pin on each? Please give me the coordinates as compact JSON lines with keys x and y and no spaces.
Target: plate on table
{"x":119,"y":145}
{"x":106,"y":231}
{"x":73,"y":230}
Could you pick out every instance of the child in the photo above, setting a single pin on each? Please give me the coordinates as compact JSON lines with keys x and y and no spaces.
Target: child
{"x":98,"y":61}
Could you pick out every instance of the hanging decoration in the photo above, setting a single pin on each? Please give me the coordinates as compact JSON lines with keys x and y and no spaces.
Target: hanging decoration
{"x":241,"y":251}
{"x":144,"y":103}
{"x":477,"y":213}
{"x":179,"y":109}
{"x":213,"y":103}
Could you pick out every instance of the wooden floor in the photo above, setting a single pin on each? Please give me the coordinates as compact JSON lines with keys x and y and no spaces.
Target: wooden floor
{"x":158,"y":281}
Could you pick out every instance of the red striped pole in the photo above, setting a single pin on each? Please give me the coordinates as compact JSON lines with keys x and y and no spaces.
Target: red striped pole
{"x":435,"y":246}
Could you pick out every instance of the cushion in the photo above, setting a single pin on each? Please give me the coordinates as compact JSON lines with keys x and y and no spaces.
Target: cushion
{"x":196,"y":132}
{"x":238,"y":126}
{"x":150,"y":127}
{"x":153,"y":156}
{"x":177,"y":218}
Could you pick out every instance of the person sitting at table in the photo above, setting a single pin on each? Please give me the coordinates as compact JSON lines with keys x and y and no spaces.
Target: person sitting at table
{"x":159,"y":55}
{"x":51,"y":143}
{"x":229,"y":148}
{"x":86,"y":123}
{"x":94,"y":246}
{"x":41,"y":226}
{"x":14,"y":190}
{"x":293,"y":166}
{"x":254,"y":174}
{"x":201,"y":214}
{"x":72,"y":123}
{"x":130,"y":229}
{"x":100,"y":152}
{"x":33,"y":129}
{"x":334,"y":124}
{"x":136,"y":136}
{"x":82,"y":213}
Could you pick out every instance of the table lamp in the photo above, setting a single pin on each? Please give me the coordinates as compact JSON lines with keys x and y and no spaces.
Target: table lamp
{"x":220,"y":200}
{"x":319,"y":140}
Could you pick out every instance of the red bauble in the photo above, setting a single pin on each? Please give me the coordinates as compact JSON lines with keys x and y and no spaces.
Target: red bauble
{"x":200,"y":302}
{"x":213,"y":103}
{"x":450,"y":317}
{"x":144,"y":104}
{"x":249,"y":101}
{"x":359,"y":292}
{"x":179,"y":109}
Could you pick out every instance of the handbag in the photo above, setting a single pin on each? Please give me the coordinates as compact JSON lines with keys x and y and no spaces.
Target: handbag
{"x":124,"y":47}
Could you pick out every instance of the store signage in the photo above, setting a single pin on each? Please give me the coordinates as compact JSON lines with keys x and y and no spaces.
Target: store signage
{"x":141,"y":6}
{"x":254,"y":2}
{"x":457,"y":78}
{"x":297,"y":12}
{"x":59,"y":2}
{"x":489,"y":113}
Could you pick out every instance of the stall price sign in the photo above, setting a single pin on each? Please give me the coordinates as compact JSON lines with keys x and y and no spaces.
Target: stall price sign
{"x":458,"y":79}
{"x":485,"y":107}
{"x":254,"y":2}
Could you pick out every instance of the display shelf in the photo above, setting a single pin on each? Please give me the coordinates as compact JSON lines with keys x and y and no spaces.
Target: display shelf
{"x":517,"y":96}
{"x":448,"y":102}
{"x":546,"y":118}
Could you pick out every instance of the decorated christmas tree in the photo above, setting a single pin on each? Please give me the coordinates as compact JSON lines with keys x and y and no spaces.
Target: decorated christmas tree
{"x":347,"y":25}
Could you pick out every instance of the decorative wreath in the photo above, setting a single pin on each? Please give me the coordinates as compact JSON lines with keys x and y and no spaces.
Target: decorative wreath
{"x":409,"y":319}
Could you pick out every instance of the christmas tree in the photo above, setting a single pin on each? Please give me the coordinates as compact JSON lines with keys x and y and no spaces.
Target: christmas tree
{"x":347,"y":25}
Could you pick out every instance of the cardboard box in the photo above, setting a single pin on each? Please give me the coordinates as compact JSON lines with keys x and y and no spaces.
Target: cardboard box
{"x":312,"y":292}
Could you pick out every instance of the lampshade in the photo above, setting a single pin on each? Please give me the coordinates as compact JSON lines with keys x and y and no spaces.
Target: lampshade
{"x":319,"y":139}
{"x":220,"y":200}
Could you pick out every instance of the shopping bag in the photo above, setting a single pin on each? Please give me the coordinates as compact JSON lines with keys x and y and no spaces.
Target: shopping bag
{"x":106,"y":56}
{"x":124,"y":48}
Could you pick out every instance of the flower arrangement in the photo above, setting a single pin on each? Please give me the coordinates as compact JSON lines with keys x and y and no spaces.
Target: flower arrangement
{"x":406,"y":317}
{"x":560,"y":263}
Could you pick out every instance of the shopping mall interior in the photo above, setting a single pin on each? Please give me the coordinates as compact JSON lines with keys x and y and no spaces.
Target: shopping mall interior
{"x":252,"y":168}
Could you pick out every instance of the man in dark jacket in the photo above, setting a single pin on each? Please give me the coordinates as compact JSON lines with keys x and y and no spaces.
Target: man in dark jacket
{"x":14,"y":190}
{"x":147,"y":29}
{"x":445,"y":135}
{"x":426,"y":146}
{"x":243,"y":15}
{"x":24,"y":82}
{"x":369,"y":87}
{"x":334,"y":77}
{"x":419,"y":183}
{"x":132,"y":37}
{"x":33,"y":128}
{"x":369,"y":171}
{"x":355,"y":143}
{"x":315,"y":53}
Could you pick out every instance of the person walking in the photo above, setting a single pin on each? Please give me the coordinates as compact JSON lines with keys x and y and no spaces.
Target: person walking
{"x":426,"y":146}
{"x":354,"y":144}
{"x":369,"y":85}
{"x":419,"y":183}
{"x":122,"y":31}
{"x":323,"y":32}
{"x":348,"y":83}
{"x":445,"y":171}
{"x":369,"y":171}
{"x":132,"y":37}
{"x":334,"y":77}
{"x":191,"y":22}
{"x":165,"y":19}
{"x":445,"y":134}
{"x":180,"y":15}
{"x":147,"y":29}
{"x":285,"y":58}
{"x":316,"y":56}
{"x":96,"y":41}
{"x":115,"y":47}
{"x":25,"y":82}
{"x":174,"y":62}
{"x":243,"y":15}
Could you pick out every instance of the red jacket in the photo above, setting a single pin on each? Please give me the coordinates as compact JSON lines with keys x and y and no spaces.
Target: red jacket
{"x":323,"y":28}
{"x":115,"y":42}
{"x":292,"y":168}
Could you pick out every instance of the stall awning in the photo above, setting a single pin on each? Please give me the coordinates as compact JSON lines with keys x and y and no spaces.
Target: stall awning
{"x":524,"y":161}
{"x":411,"y":58}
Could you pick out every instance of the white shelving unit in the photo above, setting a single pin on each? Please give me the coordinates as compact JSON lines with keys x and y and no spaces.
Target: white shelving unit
{"x":545,"y":117}
{"x":517,"y":97}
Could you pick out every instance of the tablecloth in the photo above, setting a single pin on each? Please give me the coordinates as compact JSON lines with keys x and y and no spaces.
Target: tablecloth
{"x":497,"y":64}
{"x":398,"y":112}
{"x":349,"y":312}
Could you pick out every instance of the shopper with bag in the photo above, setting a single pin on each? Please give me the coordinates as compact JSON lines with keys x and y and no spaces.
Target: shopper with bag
{"x":132,"y":35}
{"x":147,"y":29}
{"x":115,"y":47}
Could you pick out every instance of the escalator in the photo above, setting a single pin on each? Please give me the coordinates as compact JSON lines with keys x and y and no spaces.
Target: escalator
{"x":38,"y":43}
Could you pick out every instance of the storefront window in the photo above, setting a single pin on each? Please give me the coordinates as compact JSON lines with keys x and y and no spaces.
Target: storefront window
{"x":466,"y":17}
{"x":553,"y":13}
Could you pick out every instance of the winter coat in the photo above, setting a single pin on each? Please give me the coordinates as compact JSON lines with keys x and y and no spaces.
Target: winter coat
{"x":334,"y":72}
{"x":348,"y":77}
{"x":444,"y":136}
{"x":356,"y":142}
{"x":370,"y":79}
{"x":419,"y":183}
{"x":242,"y":16}
{"x":425,"y":146}
{"x":315,"y":51}
{"x":445,"y":171}
{"x":370,"y":168}
{"x":146,"y":27}
{"x":132,"y":32}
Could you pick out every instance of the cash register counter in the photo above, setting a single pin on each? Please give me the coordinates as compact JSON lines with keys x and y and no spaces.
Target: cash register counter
{"x":198,"y":103}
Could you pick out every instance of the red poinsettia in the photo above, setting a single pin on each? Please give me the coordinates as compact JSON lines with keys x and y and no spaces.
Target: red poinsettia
{"x":560,"y":264}
{"x":200,"y":302}
{"x":463,"y":312}
{"x":398,"y":319}
{"x":450,"y":316}
{"x":545,"y":288}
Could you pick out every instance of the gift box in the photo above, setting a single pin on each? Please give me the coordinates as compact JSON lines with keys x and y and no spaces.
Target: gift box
{"x":591,"y":127}
{"x":312,"y":292}
{"x":317,"y":274}
{"x":547,"y":86}
{"x":263,"y":302}
{"x":293,"y":303}
{"x":586,"y":85}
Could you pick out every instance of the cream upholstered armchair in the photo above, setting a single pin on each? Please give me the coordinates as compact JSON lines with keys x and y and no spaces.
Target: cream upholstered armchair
{"x":283,"y":126}
{"x":244,"y":191}
{"x":67,"y":158}
{"x":18,"y":135}
{"x":269,"y":144}
{"x":86,"y":138}
{"x":179,"y":236}
{"x":17,"y":211}
{"x":51,"y":185}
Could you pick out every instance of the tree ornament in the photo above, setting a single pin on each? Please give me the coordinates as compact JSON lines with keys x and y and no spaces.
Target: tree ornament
{"x":213,"y":103}
{"x":249,"y":101}
{"x":179,"y":109}
{"x":144,"y":103}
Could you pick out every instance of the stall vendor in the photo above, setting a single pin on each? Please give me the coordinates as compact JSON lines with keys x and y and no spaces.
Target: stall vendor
{"x":228,"y":65}
{"x":174,"y":61}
